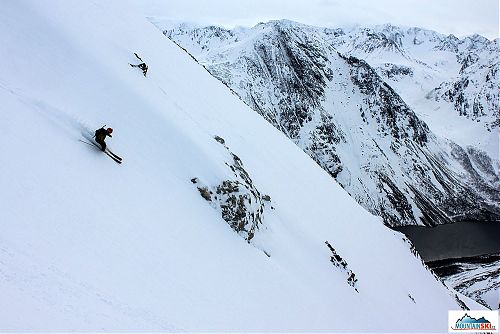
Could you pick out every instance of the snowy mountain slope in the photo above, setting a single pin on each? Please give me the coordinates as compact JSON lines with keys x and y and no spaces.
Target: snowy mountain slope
{"x":351,"y":122}
{"x":90,"y":245}
{"x":442,"y":77}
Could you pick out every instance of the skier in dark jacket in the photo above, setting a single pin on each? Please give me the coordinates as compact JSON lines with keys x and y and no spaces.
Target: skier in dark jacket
{"x":100,"y":136}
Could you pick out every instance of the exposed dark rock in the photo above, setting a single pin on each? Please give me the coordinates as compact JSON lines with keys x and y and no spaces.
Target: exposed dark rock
{"x":392,"y":71}
{"x":220,"y":140}
{"x":205,"y":193}
{"x":339,"y":262}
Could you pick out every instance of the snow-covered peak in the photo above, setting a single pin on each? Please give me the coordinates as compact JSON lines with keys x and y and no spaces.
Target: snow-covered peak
{"x":439,"y":76}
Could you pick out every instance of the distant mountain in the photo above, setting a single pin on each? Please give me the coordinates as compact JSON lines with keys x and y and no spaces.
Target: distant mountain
{"x":345,"y":115}
{"x":441,"y":77}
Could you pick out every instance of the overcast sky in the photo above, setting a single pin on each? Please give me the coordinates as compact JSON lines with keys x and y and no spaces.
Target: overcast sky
{"x":459,"y":17}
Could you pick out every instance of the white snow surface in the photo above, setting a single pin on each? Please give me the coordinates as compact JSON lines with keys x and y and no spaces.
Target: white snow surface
{"x":90,"y":245}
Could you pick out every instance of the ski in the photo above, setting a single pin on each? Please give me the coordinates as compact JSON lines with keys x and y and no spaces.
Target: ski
{"x":107,"y":149}
{"x":113,"y":156}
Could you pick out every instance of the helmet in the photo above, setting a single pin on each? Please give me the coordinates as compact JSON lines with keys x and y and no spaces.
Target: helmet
{"x":109,"y":130}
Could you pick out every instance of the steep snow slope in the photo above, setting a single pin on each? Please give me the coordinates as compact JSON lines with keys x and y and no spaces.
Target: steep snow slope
{"x":349,"y":120}
{"x":91,"y":245}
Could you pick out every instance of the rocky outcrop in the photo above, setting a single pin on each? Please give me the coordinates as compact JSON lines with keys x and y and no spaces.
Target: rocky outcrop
{"x":237,"y":199}
{"x":340,"y":263}
{"x":394,"y":72}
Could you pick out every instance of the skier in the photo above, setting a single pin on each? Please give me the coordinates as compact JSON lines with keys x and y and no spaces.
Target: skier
{"x":100,"y":136}
{"x":142,"y":65}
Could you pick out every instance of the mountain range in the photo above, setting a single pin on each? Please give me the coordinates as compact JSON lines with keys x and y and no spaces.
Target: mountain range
{"x":358,"y":102}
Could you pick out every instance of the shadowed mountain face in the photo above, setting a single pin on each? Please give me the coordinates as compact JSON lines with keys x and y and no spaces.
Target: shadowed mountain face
{"x":343,"y":114}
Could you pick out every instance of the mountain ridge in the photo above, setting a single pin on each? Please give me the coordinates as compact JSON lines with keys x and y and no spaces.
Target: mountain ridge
{"x":297,"y":80}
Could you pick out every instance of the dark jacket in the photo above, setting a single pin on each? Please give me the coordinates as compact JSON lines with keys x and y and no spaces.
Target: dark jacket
{"x":100,"y":135}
